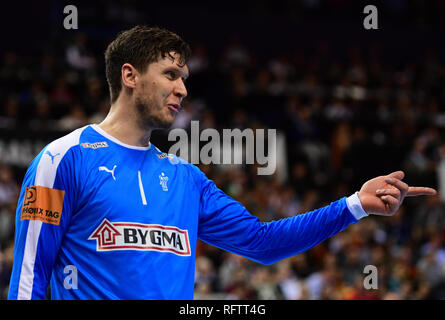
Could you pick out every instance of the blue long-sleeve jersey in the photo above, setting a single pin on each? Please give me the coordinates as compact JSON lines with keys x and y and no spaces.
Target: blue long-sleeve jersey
{"x":99,"y":219}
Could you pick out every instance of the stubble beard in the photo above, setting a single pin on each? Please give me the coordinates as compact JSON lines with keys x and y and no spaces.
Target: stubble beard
{"x":151,"y":116}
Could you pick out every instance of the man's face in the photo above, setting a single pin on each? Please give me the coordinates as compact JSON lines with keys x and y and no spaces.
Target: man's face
{"x":159,"y":93}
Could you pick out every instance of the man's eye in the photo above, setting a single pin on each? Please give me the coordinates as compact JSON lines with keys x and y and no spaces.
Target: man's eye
{"x":171,"y":74}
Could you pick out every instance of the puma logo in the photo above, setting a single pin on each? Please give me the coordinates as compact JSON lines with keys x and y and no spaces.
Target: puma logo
{"x":103,"y":168}
{"x":52,"y":156}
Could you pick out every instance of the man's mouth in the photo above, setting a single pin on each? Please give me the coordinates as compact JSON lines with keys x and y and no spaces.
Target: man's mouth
{"x":174,"y":107}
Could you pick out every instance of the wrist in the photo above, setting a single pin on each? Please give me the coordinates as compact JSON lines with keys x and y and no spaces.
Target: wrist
{"x":355,"y":206}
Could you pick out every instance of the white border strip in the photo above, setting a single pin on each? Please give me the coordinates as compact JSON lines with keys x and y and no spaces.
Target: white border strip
{"x":141,"y":189}
{"x":110,"y":137}
{"x":45,"y":176}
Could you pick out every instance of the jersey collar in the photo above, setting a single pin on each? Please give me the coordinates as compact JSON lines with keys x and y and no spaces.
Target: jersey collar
{"x":110,"y":137}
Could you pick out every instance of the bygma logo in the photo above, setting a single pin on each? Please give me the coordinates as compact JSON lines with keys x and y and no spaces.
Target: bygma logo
{"x":137,"y":236}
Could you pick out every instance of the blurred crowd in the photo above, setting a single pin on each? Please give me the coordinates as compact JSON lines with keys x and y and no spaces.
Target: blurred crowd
{"x":346,"y":117}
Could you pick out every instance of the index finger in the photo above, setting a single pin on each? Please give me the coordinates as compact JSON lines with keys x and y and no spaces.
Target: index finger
{"x":420,"y":191}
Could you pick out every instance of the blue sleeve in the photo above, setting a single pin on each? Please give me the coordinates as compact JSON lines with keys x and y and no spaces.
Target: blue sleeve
{"x":42,"y":217}
{"x":226,"y":223}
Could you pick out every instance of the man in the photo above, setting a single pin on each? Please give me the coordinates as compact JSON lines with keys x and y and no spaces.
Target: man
{"x":103,"y":214}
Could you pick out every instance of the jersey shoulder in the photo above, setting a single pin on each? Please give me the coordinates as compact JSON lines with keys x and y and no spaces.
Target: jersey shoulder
{"x":170,"y":159}
{"x":48,"y":161}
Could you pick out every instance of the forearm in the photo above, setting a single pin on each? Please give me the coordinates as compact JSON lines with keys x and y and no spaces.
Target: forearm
{"x":268,"y":242}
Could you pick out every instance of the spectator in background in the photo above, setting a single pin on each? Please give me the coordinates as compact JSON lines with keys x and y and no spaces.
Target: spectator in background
{"x":9,"y":118}
{"x":8,"y":186}
{"x":61,"y":95}
{"x":78,"y":55}
{"x":6,"y":260}
{"x":7,"y":222}
{"x":76,"y":118}
{"x":101,"y":112}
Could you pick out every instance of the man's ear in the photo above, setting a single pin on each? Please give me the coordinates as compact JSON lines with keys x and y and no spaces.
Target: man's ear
{"x":129,"y":76}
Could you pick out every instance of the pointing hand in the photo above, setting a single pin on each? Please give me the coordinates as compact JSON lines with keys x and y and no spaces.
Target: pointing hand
{"x":384,"y":195}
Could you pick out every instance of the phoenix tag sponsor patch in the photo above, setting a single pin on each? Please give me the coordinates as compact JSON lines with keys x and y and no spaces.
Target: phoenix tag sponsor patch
{"x":42,"y":203}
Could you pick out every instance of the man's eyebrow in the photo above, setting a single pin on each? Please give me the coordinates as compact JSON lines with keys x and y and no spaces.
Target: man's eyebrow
{"x":177,"y":71}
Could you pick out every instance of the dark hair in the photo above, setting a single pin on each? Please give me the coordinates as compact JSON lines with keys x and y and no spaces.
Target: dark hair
{"x":140,"y":46}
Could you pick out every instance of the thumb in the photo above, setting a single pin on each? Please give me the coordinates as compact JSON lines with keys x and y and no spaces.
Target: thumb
{"x":397,"y":175}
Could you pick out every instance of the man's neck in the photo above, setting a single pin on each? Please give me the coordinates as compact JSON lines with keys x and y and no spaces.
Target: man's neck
{"x":124,"y":127}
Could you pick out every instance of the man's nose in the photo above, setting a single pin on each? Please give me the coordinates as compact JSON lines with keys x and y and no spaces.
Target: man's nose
{"x":180,"y":90}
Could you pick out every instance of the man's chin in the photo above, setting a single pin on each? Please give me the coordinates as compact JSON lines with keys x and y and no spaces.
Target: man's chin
{"x":158,"y":124}
{"x":165,"y":124}
{"x":154,"y":119}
